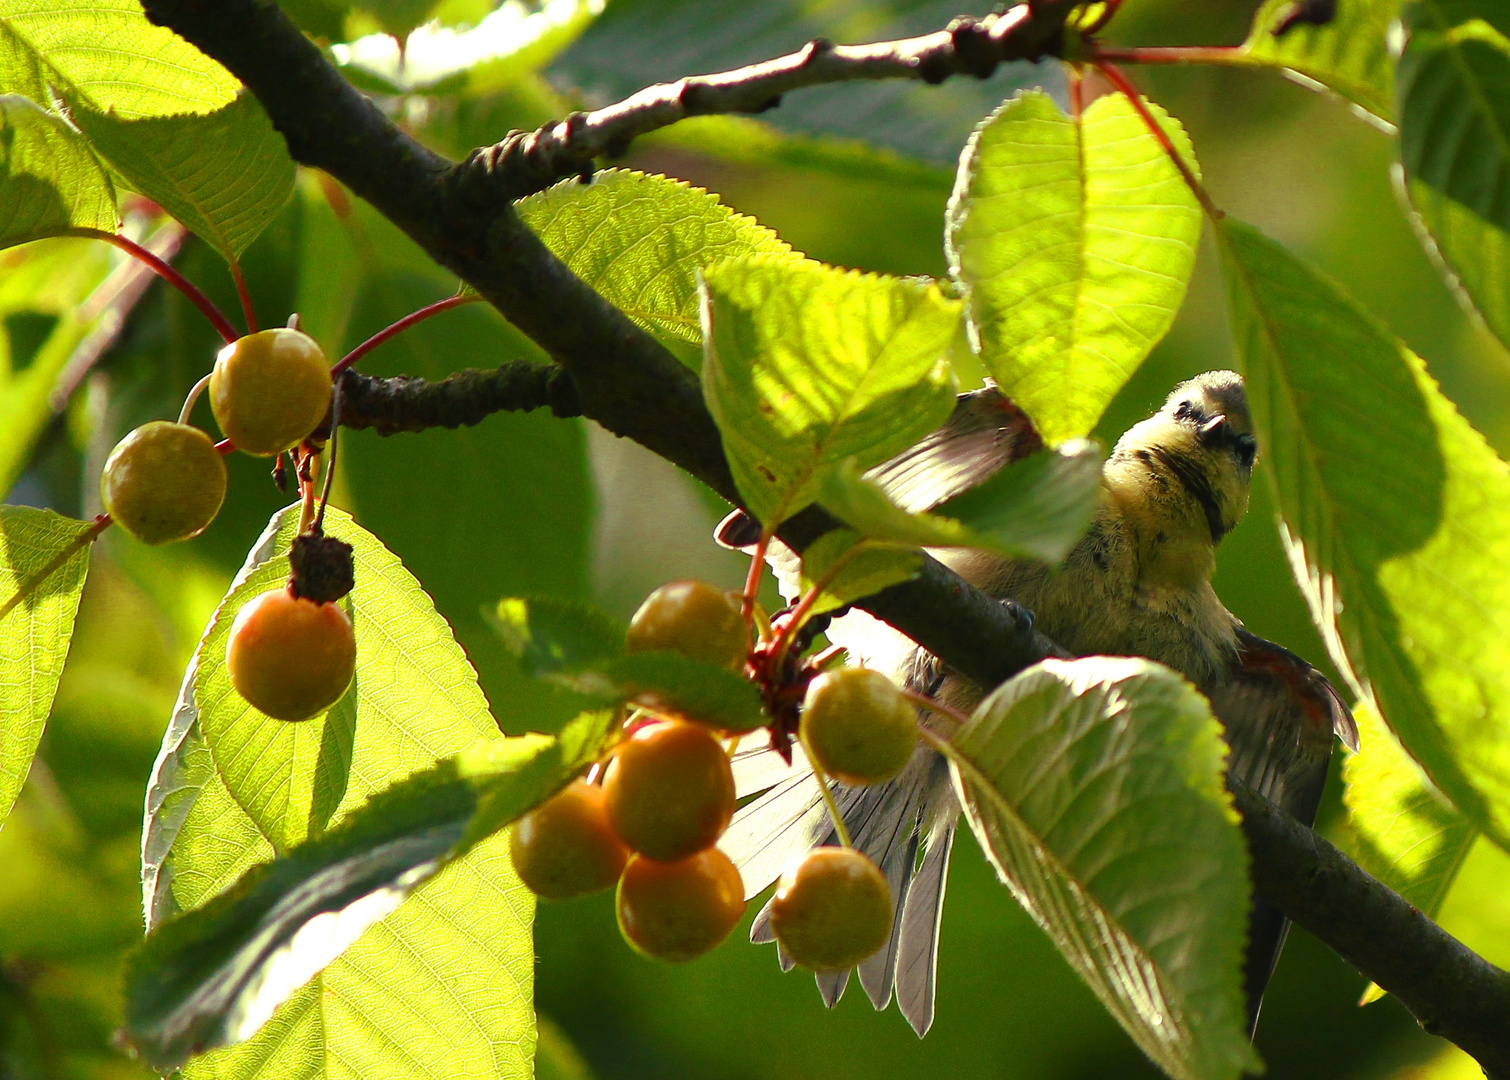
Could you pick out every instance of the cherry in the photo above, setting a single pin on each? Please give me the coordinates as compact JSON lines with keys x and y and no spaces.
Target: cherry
{"x":857,"y":726}
{"x":163,"y":482}
{"x":669,"y":791}
{"x":679,"y":910}
{"x":291,"y":657}
{"x":832,"y":909}
{"x":270,"y":390}
{"x":694,"y":619}
{"x":565,"y":847}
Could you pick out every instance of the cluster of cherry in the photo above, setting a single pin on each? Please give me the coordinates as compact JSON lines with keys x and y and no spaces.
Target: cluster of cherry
{"x":290,"y":654}
{"x":648,"y":817}
{"x":667,"y":794}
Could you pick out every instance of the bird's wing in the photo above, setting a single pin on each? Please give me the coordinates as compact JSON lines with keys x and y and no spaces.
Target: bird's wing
{"x":985,"y":432}
{"x":1280,"y":714}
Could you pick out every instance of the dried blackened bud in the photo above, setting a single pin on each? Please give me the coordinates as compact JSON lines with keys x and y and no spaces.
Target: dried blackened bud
{"x":323,"y":569}
{"x":1306,"y":13}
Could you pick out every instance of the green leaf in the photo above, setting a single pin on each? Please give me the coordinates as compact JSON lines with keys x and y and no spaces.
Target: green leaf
{"x":1402,"y":830}
{"x":1074,"y":241}
{"x":509,"y":43}
{"x":867,"y":567}
{"x":43,"y":560}
{"x":1096,"y":788}
{"x":550,"y":636}
{"x":640,"y":240}
{"x":232,"y":788}
{"x":805,"y":365}
{"x":106,"y":54}
{"x":1036,"y":509}
{"x":49,"y":181}
{"x":1396,"y":516}
{"x":223,"y":175}
{"x":1349,"y":55}
{"x":212,"y":977}
{"x":681,"y":686}
{"x":169,"y":119}
{"x":1453,"y":87}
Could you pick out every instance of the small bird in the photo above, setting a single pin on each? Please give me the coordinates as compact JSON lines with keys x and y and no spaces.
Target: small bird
{"x":1138,"y":583}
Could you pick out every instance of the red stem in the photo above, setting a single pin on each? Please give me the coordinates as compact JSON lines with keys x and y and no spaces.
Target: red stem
{"x":1173,"y":54}
{"x":221,"y":324}
{"x":1122,"y":83}
{"x":246,"y":297}
{"x":403,"y":324}
{"x":752,"y":579}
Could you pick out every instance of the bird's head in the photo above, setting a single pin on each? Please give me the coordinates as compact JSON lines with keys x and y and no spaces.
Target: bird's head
{"x":1191,"y":461}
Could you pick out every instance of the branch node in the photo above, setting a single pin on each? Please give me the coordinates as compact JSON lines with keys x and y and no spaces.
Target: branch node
{"x":973,"y":45}
{"x":814,"y":49}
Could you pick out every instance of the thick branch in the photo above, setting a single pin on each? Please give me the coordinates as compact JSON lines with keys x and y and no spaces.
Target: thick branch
{"x":461,"y":400}
{"x":632,"y":386}
{"x":1450,"y":989}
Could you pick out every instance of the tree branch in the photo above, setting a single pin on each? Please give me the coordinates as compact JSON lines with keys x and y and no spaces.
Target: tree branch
{"x":462,"y":216}
{"x":461,"y":400}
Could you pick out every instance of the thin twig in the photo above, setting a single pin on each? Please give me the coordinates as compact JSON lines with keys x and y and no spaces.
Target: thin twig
{"x":399,"y":327}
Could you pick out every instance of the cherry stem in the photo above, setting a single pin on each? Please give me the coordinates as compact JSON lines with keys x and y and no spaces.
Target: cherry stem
{"x":399,"y":327}
{"x":935,"y":706}
{"x":1174,"y":54}
{"x":221,"y":324}
{"x":1077,"y":92}
{"x":184,"y":413}
{"x":828,"y":796}
{"x":1122,"y":83}
{"x":246,"y":297}
{"x":752,"y":579}
{"x":30,"y":585}
{"x":330,"y":460}
{"x":803,"y":611}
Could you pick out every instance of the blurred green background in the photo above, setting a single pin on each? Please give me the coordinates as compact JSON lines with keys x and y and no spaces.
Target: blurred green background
{"x":533,"y":505}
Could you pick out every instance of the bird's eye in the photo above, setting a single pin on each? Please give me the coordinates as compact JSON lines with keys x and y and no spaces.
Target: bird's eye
{"x":1184,"y":410}
{"x":1244,"y":447}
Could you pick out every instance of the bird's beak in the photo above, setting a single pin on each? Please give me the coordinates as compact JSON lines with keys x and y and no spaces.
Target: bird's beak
{"x":1213,"y":426}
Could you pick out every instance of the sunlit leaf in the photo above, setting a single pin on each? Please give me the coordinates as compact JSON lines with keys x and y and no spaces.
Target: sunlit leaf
{"x":640,"y":241}
{"x":805,"y":365}
{"x":1348,"y":55}
{"x":169,"y":119}
{"x":233,"y":788}
{"x":43,"y":559}
{"x":1454,"y":105}
{"x":846,"y":567}
{"x":1396,"y":515}
{"x":1074,"y":241}
{"x":1095,"y":787}
{"x":49,"y":181}
{"x":1402,"y":830}
{"x":1037,"y":508}
{"x":213,"y":977}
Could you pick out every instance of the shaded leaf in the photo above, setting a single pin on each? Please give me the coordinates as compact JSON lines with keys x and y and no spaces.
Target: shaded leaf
{"x":1036,"y":508}
{"x":49,"y":181}
{"x":681,"y":686}
{"x":640,"y":240}
{"x":806,"y":365}
{"x":1348,"y":55}
{"x":1073,"y":241}
{"x":232,"y":789}
{"x":212,"y":977}
{"x":1454,"y":104}
{"x":224,"y":175}
{"x":867,"y":567}
{"x":1396,"y":516}
{"x":550,"y":636}
{"x":36,"y":625}
{"x":1096,"y":788}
